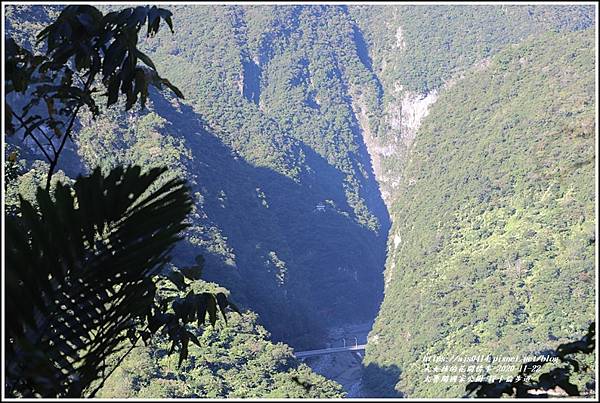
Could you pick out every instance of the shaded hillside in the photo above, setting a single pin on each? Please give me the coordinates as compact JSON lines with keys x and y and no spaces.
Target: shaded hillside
{"x":263,"y":157}
{"x":292,"y":107}
{"x":259,"y":230}
{"x":493,"y":230}
{"x":266,"y":134}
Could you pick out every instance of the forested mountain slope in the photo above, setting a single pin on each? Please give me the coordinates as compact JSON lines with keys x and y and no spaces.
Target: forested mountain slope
{"x":266,"y":134}
{"x":291,"y":99}
{"x":234,"y":361}
{"x":493,"y":221}
{"x":307,"y":130}
{"x":270,"y":85}
{"x":418,"y":51}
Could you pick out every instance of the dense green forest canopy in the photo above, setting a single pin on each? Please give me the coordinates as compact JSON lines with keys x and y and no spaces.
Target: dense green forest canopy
{"x":234,"y":361}
{"x":498,"y":194}
{"x":469,"y":127}
{"x":255,"y":185}
{"x":89,"y":255}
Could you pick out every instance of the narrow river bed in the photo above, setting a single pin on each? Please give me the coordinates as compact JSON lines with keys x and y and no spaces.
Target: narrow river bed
{"x":345,"y":367}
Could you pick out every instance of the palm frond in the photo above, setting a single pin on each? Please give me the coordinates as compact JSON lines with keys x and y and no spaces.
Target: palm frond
{"x":79,"y":270}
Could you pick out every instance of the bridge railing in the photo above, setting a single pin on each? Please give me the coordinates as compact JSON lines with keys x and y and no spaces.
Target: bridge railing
{"x":332,"y":350}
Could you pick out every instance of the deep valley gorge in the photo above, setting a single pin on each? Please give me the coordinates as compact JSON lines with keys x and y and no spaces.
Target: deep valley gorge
{"x":419,"y":180}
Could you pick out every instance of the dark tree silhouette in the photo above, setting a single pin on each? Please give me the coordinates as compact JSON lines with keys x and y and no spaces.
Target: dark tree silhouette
{"x":87,"y":268}
{"x":85,"y":52}
{"x":557,"y":378}
{"x":87,"y":276}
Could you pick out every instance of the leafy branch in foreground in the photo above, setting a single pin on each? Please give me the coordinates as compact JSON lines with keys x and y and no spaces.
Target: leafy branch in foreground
{"x":555,"y":381}
{"x":87,"y":276}
{"x":81,"y":45}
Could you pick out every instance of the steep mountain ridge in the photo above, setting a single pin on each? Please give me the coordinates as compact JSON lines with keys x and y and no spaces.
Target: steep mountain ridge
{"x":307,"y":131}
{"x":497,"y":194}
{"x":340,"y":247}
{"x":419,"y":50}
{"x":287,"y":209}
